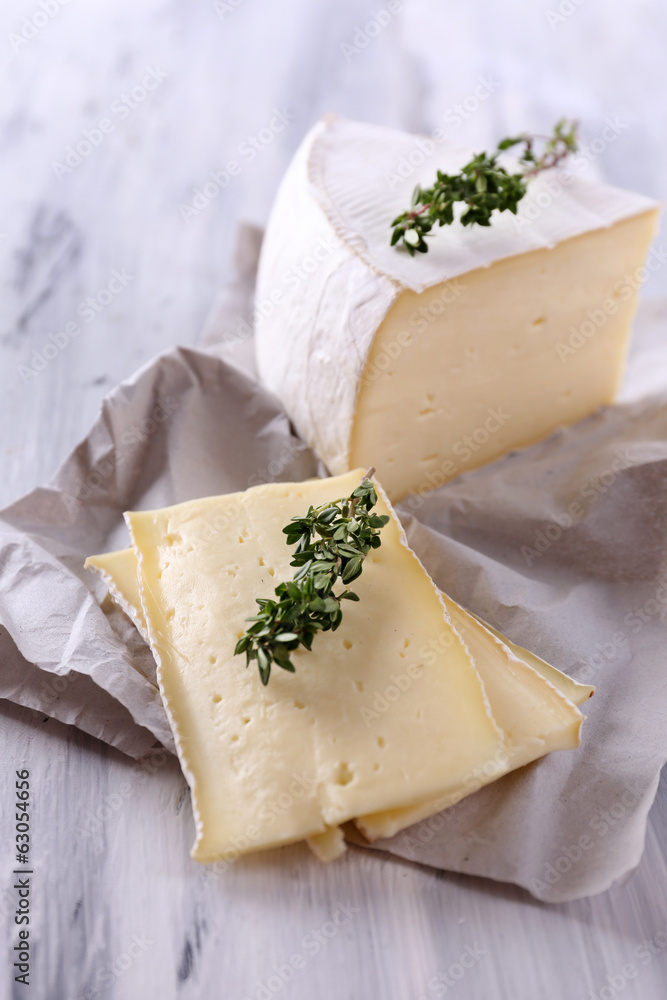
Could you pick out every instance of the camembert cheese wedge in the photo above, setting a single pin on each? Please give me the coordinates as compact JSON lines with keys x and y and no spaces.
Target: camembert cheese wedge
{"x":429,"y":366}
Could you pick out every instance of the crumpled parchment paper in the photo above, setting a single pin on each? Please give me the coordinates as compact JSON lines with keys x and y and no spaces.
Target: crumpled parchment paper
{"x":562,"y":546}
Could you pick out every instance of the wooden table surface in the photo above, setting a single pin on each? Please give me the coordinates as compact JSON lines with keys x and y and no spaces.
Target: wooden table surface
{"x":118,"y":908}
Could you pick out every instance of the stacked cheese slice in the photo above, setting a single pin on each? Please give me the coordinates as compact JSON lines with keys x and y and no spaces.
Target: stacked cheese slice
{"x":410,"y":705}
{"x":428,"y":366}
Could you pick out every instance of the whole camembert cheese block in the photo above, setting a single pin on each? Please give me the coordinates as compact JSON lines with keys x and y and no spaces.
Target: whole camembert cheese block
{"x":427,"y":366}
{"x":388,"y":713}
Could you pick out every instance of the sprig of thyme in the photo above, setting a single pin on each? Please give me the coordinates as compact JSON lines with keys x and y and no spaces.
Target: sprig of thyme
{"x":306,"y":605}
{"x":482,"y":186}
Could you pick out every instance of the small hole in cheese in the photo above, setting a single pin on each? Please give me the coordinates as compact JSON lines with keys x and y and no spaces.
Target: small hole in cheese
{"x":261,"y":561}
{"x":359,"y":685}
{"x":245,"y":720}
{"x":539,"y":321}
{"x":381,"y":741}
{"x":217,"y":698}
{"x":347,"y":644}
{"x":376,"y":767}
{"x":272,"y":571}
{"x":213,"y":658}
{"x":234,"y":737}
{"x":170,"y":613}
{"x":299,"y":704}
{"x":241,"y":539}
{"x":427,"y":411}
{"x":343,"y":774}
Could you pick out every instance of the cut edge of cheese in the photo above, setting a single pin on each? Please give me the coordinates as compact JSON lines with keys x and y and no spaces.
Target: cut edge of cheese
{"x":575,"y":691}
{"x":155,"y":649}
{"x":118,"y":570}
{"x":495,"y":361}
{"x":327,"y":846}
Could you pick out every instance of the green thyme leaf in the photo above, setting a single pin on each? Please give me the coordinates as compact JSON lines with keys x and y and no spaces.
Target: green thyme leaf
{"x":482,"y":186}
{"x":332,"y":542}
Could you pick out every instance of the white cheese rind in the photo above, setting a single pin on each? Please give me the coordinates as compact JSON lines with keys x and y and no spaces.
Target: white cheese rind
{"x":349,"y":166}
{"x":576,"y":692}
{"x":312,"y":344}
{"x":119,"y":571}
{"x":328,"y":281}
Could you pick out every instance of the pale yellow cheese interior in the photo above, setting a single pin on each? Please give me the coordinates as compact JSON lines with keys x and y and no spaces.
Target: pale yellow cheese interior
{"x":282,"y":763}
{"x":535,"y":719}
{"x":119,"y":572}
{"x":472,"y":368}
{"x":533,"y":712}
{"x":327,"y":846}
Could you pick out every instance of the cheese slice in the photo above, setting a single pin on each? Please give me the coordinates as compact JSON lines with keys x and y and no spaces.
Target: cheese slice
{"x":510,"y":690}
{"x":119,"y":572}
{"x":534,"y":714}
{"x":576,"y":692}
{"x":327,"y":846}
{"x":283,"y":763}
{"x":429,"y":366}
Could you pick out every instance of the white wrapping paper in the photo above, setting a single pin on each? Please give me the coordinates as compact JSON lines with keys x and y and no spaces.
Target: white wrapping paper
{"x":561,"y":546}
